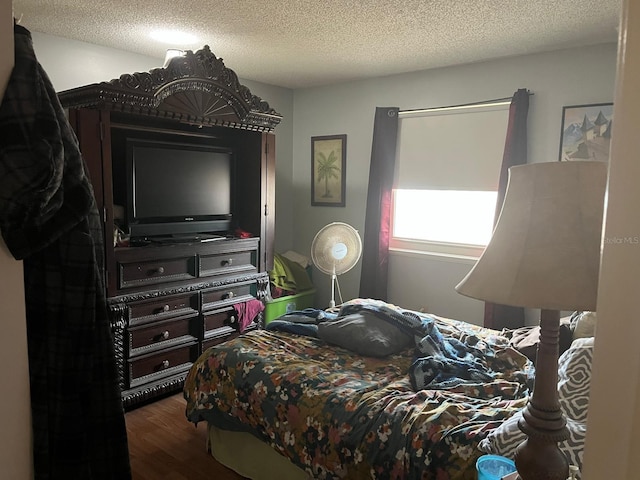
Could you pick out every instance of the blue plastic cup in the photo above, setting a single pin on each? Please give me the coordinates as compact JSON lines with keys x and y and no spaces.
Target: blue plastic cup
{"x":494,"y":467}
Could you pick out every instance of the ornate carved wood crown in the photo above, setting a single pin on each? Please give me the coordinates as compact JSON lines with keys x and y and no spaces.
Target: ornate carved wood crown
{"x":194,"y":88}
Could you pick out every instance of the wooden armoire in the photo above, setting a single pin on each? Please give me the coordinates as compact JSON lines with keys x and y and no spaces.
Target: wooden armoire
{"x":169,"y":301}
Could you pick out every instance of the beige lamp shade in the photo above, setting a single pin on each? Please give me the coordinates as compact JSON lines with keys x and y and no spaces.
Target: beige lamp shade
{"x":545,"y":249}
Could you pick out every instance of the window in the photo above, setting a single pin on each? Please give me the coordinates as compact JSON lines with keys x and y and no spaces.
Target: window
{"x":447,"y":173}
{"x":452,"y":216}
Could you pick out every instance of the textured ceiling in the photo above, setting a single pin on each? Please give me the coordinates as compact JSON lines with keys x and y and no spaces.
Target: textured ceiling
{"x":300,"y":43}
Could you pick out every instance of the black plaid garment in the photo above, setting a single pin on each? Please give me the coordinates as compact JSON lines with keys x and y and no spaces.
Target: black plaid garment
{"x":48,"y":218}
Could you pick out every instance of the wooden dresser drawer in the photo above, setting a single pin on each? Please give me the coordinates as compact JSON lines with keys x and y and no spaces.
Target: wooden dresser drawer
{"x":226,"y":295}
{"x":217,"y":329}
{"x":136,"y":274}
{"x":157,"y":335}
{"x":159,"y":308}
{"x":220,"y":322}
{"x":167,"y":362}
{"x":227,"y":263}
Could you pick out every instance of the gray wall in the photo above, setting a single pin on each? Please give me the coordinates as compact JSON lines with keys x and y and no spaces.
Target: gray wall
{"x":566,"y":77}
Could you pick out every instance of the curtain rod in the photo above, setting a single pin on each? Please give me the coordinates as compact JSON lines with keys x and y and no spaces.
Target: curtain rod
{"x":462,"y":105}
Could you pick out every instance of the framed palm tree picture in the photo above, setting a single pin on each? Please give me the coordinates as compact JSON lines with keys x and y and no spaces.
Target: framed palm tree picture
{"x":328,"y":170}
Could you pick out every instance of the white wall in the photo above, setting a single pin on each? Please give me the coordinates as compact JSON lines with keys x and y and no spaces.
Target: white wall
{"x":566,"y":77}
{"x":70,"y":64}
{"x":15,"y":414}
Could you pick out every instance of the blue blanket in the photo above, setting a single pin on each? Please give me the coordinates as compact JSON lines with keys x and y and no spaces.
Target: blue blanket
{"x":440,"y":361}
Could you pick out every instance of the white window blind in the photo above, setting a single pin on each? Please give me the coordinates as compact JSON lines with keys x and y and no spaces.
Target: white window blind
{"x":451,"y":149}
{"x":446,"y":180}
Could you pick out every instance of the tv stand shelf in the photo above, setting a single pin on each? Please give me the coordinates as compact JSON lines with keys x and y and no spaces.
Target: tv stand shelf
{"x":169,"y":300}
{"x":181,"y":239}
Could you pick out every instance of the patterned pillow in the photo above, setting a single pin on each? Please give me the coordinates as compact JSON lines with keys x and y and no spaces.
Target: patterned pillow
{"x":574,"y":376}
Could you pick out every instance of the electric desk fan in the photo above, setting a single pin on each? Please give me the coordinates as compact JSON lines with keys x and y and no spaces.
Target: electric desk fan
{"x":336,"y":249}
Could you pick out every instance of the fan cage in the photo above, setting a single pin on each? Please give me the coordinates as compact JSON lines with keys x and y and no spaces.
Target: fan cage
{"x":325,"y":242}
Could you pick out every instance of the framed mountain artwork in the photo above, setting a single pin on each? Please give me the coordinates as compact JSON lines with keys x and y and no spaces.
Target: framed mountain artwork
{"x":586,"y":132}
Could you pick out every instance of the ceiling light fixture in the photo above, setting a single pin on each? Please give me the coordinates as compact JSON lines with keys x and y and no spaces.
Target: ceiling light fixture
{"x":172,"y":53}
{"x":174,"y":37}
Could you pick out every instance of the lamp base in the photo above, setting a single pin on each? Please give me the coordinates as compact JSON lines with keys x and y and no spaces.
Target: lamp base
{"x":538,"y":457}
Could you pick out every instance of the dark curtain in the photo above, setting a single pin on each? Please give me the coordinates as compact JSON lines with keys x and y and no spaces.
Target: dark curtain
{"x":377,"y":231}
{"x":49,"y":219}
{"x":515,"y":153}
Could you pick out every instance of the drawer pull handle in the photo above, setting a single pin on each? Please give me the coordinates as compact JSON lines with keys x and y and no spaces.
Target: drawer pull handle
{"x":227,"y":262}
{"x":165,"y":308}
{"x":228,"y":295}
{"x":160,"y":270}
{"x":165,"y":364}
{"x":161,"y":336}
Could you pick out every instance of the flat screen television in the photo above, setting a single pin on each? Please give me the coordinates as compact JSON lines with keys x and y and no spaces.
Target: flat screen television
{"x":178,"y":189}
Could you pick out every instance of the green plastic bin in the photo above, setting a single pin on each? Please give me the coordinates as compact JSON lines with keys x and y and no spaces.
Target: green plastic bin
{"x":291,"y":303}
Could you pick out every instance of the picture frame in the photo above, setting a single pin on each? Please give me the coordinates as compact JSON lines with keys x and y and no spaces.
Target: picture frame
{"x":586,"y":132}
{"x":328,"y":170}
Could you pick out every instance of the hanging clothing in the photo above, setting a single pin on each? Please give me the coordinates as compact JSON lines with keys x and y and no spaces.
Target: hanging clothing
{"x":246,"y":312}
{"x":48,"y":218}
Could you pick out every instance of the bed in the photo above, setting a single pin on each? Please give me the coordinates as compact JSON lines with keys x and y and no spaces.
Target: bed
{"x":336,"y":406}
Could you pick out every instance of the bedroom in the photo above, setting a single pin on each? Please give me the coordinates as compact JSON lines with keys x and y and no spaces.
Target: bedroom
{"x":544,"y":120}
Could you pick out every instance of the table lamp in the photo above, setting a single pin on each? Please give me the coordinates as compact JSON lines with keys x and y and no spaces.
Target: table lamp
{"x":544,"y":254}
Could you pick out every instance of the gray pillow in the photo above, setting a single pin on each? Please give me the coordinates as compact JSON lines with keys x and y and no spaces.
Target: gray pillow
{"x":366,"y":334}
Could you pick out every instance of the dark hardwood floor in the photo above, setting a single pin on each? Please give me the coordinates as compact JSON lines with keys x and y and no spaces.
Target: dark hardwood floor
{"x":164,"y":445}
